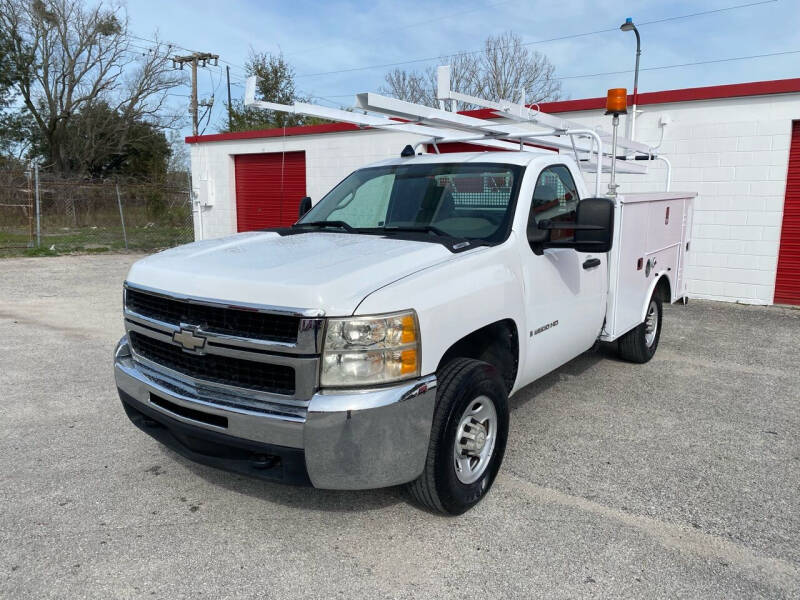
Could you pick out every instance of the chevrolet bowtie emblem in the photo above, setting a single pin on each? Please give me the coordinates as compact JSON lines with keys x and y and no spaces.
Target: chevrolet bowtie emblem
{"x":188,"y":338}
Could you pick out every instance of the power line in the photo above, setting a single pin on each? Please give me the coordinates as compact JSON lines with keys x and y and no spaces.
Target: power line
{"x":210,"y":103}
{"x":147,"y":51}
{"x":333,"y":103}
{"x":623,"y":72}
{"x":154,"y":41}
{"x":179,"y":47}
{"x":243,"y":71}
{"x":555,"y":39}
{"x":678,"y":65}
{"x":707,"y":12}
{"x":411,"y":25}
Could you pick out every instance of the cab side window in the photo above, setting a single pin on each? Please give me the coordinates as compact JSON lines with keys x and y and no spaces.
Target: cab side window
{"x":555,"y":197}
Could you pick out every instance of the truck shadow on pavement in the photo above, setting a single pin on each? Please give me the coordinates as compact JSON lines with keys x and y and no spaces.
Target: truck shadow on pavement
{"x":306,"y":498}
{"x":574,"y":368}
{"x":293,"y":496}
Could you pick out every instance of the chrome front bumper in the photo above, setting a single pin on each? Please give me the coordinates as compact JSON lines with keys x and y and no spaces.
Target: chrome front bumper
{"x":351,"y":439}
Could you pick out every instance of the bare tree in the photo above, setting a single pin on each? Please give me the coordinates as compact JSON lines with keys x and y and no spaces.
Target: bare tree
{"x":410,"y":86}
{"x":70,"y":59}
{"x":508,"y":67}
{"x":420,"y":88}
{"x":499,"y":72}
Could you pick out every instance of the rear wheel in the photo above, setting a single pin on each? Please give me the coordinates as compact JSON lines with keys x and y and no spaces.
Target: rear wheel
{"x":468,"y":438}
{"x":639,"y":344}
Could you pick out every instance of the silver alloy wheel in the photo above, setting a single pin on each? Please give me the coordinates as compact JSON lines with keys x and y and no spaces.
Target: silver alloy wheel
{"x":475,"y":439}
{"x":651,"y":324}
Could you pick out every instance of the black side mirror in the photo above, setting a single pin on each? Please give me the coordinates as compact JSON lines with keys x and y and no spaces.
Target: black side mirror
{"x":305,"y":205}
{"x":537,"y":236}
{"x":594,"y":225}
{"x":593,"y":228}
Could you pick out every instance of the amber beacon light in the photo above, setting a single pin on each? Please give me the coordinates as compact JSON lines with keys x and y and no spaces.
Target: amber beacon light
{"x":617,"y":101}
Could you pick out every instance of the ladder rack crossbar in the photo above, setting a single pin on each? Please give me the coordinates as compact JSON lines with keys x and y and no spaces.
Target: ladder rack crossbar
{"x":522,"y":124}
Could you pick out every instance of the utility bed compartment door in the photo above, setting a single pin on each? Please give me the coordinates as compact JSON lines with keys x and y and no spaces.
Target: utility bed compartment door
{"x":651,"y":239}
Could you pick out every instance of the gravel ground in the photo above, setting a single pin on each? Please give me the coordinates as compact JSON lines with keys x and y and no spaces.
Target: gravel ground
{"x":678,"y":478}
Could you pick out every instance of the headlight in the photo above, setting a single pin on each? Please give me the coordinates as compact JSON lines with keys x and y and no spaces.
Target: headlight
{"x":370,"y":350}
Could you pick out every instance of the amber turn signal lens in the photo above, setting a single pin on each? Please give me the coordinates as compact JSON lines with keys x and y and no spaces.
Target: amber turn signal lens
{"x":617,"y":101}
{"x":409,"y":330}
{"x":408,"y":359}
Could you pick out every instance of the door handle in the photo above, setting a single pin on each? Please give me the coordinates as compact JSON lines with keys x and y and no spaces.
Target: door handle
{"x":590,"y":263}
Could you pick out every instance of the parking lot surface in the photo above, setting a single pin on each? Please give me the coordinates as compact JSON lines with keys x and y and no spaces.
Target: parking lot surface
{"x":677,"y":478}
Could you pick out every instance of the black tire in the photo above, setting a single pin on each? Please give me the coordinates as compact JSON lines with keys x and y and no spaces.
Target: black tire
{"x":460,"y":383}
{"x":633,"y":345}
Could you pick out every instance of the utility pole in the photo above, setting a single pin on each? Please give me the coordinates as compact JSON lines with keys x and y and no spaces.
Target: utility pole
{"x":38,"y":205}
{"x":194,"y":59}
{"x":228,"y":75}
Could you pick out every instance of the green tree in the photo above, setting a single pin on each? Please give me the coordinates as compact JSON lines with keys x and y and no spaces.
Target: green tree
{"x":274,"y":83}
{"x":93,"y":147}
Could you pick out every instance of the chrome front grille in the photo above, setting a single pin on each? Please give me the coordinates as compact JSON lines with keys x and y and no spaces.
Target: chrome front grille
{"x":217,"y":319}
{"x":265,"y":377}
{"x":262,"y":355}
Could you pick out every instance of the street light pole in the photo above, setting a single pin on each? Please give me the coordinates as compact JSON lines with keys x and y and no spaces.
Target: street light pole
{"x":629,"y":26}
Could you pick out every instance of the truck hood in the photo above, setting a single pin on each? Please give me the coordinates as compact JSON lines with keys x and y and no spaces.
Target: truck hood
{"x":328,"y":271}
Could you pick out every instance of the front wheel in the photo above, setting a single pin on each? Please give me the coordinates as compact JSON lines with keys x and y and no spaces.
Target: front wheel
{"x":468,"y":438}
{"x":640,"y":343}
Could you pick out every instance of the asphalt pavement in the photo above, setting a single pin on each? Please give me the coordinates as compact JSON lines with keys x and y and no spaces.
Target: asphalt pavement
{"x":678,"y":478}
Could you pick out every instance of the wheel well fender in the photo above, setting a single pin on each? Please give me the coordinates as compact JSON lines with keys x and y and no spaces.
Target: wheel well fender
{"x":660,"y":286}
{"x":496,"y":343}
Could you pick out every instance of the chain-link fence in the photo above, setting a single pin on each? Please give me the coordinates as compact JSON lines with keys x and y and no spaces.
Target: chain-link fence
{"x":41,"y":213}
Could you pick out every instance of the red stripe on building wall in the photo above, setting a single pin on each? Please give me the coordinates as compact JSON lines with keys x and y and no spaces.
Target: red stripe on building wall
{"x":787,"y":279}
{"x":269,"y":133}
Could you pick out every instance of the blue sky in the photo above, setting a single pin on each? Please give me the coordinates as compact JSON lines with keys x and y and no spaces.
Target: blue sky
{"x":319,"y":37}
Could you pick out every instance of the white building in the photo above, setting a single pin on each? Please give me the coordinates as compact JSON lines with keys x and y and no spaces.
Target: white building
{"x":738,"y":146}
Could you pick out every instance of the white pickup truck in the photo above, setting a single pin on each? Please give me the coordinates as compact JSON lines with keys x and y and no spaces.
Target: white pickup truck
{"x":376,"y":341}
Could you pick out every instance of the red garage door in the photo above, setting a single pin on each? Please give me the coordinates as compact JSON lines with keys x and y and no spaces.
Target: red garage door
{"x":268,"y":189}
{"x":787,"y":281}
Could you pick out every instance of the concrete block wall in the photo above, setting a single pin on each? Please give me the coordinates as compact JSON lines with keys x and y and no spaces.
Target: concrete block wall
{"x":734,"y":152}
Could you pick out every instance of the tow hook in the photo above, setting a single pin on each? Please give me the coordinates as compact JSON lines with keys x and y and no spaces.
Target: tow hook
{"x":262,"y":462}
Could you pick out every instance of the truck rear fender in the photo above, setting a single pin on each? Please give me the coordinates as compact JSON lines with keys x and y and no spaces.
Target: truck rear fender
{"x":662,"y":287}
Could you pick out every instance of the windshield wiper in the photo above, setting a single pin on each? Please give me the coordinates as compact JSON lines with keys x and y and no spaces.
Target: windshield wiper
{"x":457,"y":242}
{"x":422,"y":229}
{"x":320,"y":224}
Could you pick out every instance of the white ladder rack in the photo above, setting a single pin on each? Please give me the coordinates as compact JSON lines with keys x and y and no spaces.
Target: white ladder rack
{"x":591,"y":147}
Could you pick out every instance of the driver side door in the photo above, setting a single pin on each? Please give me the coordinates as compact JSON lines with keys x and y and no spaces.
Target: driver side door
{"x":565,"y":289}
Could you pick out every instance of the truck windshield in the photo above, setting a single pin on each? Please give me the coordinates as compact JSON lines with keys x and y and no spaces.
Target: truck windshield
{"x":460,"y":200}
